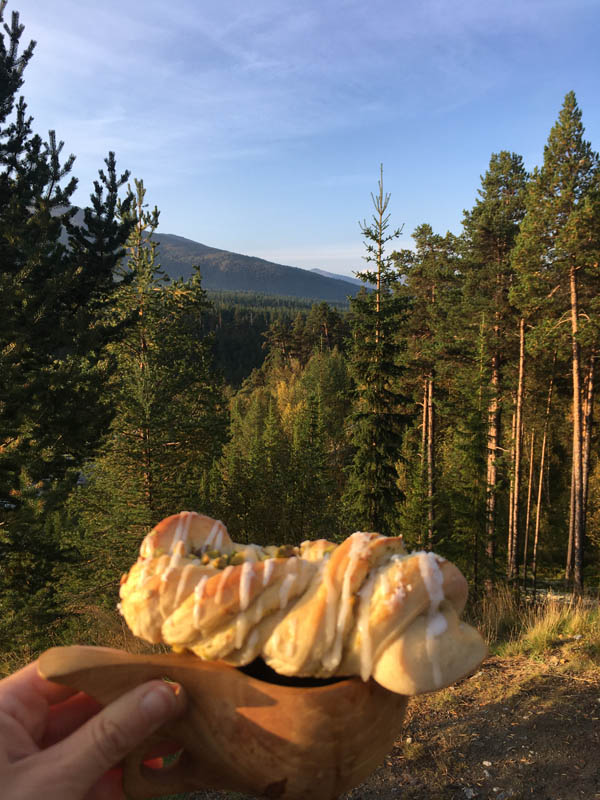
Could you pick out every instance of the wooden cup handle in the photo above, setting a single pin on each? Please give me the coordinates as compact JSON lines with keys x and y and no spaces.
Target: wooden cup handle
{"x":105,"y":675}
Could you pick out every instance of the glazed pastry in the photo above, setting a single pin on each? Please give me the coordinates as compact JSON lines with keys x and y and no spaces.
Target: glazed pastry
{"x":363,"y":607}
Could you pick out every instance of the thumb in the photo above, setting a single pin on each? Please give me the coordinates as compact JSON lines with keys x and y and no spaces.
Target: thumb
{"x":104,"y":740}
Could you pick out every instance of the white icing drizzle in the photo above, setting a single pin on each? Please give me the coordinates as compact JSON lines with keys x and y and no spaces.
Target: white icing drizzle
{"x":182,"y":583}
{"x":215,"y":536}
{"x":144,"y":572}
{"x":177,"y":555}
{"x":182,"y":529}
{"x":285,"y":589}
{"x":252,"y":640}
{"x":384,"y":584}
{"x":259,"y":609}
{"x":436,"y":622}
{"x":291,"y":643}
{"x":395,"y":598}
{"x":330,"y":606}
{"x":198,"y":595}
{"x":246,"y":576}
{"x":221,"y":586}
{"x":358,"y":548}
{"x":165,"y":576}
{"x":240,"y":631}
{"x":268,"y":570}
{"x":363,"y":629}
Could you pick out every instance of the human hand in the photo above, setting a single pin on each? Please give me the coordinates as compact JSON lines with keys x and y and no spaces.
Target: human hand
{"x":56,"y":744}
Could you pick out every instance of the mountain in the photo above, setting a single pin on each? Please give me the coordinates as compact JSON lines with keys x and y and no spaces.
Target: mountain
{"x":348,"y":278}
{"x":222,"y":270}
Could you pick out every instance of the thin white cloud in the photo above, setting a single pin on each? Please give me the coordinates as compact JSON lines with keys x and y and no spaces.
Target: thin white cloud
{"x":188,"y":92}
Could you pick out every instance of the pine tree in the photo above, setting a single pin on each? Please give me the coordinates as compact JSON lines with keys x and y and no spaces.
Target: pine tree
{"x":490,"y":231}
{"x":431,"y":288}
{"x":556,"y":256}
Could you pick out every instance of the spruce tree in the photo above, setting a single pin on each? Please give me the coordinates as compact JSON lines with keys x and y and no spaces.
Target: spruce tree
{"x":378,"y":417}
{"x":56,"y":288}
{"x":170,"y":419}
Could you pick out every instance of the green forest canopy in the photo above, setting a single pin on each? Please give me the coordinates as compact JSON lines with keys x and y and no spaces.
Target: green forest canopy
{"x":453,"y":404}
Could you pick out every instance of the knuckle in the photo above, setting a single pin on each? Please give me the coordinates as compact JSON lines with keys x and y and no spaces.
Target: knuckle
{"x":110,"y":740}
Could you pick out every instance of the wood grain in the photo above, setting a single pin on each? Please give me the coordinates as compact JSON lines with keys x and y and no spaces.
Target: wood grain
{"x":240,"y":733}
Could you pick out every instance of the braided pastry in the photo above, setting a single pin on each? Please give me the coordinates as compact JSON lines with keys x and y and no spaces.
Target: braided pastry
{"x":364,"y":607}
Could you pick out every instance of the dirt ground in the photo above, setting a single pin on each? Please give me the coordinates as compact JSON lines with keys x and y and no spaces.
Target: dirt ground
{"x":516,"y":729}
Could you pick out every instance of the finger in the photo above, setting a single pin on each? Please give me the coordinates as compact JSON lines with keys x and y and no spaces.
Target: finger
{"x":67,"y":717}
{"x":28,"y":680}
{"x":25,"y":696}
{"x":104,"y":740}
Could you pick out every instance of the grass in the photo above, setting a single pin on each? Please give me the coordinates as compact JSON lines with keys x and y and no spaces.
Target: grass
{"x":520,"y":625}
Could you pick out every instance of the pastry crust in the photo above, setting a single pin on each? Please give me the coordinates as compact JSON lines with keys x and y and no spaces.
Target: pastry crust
{"x":363,"y":607}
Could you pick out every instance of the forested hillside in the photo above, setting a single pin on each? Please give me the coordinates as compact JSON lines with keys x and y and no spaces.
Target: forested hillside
{"x":225,"y":271}
{"x":452,"y":404}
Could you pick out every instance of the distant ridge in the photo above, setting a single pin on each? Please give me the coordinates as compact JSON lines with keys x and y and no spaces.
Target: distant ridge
{"x":223,"y":270}
{"x":348,"y":278}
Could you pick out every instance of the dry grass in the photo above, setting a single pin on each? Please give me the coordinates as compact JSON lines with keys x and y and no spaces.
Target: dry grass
{"x":516,"y":625}
{"x":89,"y":625}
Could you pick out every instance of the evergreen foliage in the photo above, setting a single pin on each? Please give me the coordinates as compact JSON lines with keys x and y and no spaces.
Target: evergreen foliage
{"x":372,"y":494}
{"x":556,"y":256}
{"x":430,"y":285}
{"x":53,"y":330}
{"x":443,"y":405}
{"x":170,"y":418}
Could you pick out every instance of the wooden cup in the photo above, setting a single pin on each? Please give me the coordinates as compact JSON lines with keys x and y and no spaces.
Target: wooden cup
{"x":240,"y":733}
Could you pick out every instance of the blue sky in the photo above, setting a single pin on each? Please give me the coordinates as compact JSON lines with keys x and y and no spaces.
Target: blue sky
{"x":258,"y":126}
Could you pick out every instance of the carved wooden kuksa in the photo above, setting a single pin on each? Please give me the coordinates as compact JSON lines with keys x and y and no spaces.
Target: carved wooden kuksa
{"x":240,"y":733}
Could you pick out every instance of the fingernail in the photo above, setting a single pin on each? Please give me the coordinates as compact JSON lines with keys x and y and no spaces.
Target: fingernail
{"x":159,"y":702}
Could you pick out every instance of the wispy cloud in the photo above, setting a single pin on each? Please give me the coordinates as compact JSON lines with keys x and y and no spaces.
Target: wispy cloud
{"x":267,"y":72}
{"x":220,"y":99}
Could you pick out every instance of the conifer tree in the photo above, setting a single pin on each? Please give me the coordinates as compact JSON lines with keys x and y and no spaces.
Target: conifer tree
{"x":378,"y":418}
{"x":54,"y":328}
{"x":170,"y":419}
{"x":489,"y":233}
{"x":556,"y":257}
{"x":431,"y":288}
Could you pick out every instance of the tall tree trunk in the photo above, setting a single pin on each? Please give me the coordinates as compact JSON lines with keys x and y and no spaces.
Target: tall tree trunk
{"x":513,"y":568}
{"x":511,"y":492}
{"x":578,"y":521}
{"x":528,"y":510}
{"x":541,"y":478}
{"x":490,"y":539}
{"x":588,"y":419}
{"x":424,"y":427}
{"x":492,"y":452}
{"x":569,"y":564}
{"x":145,"y":432}
{"x":430,"y":463}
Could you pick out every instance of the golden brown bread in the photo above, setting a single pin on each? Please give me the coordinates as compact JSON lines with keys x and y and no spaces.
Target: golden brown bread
{"x":364,"y":607}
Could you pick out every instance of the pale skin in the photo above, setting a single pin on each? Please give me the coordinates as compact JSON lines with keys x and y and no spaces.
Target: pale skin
{"x":58,"y":744}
